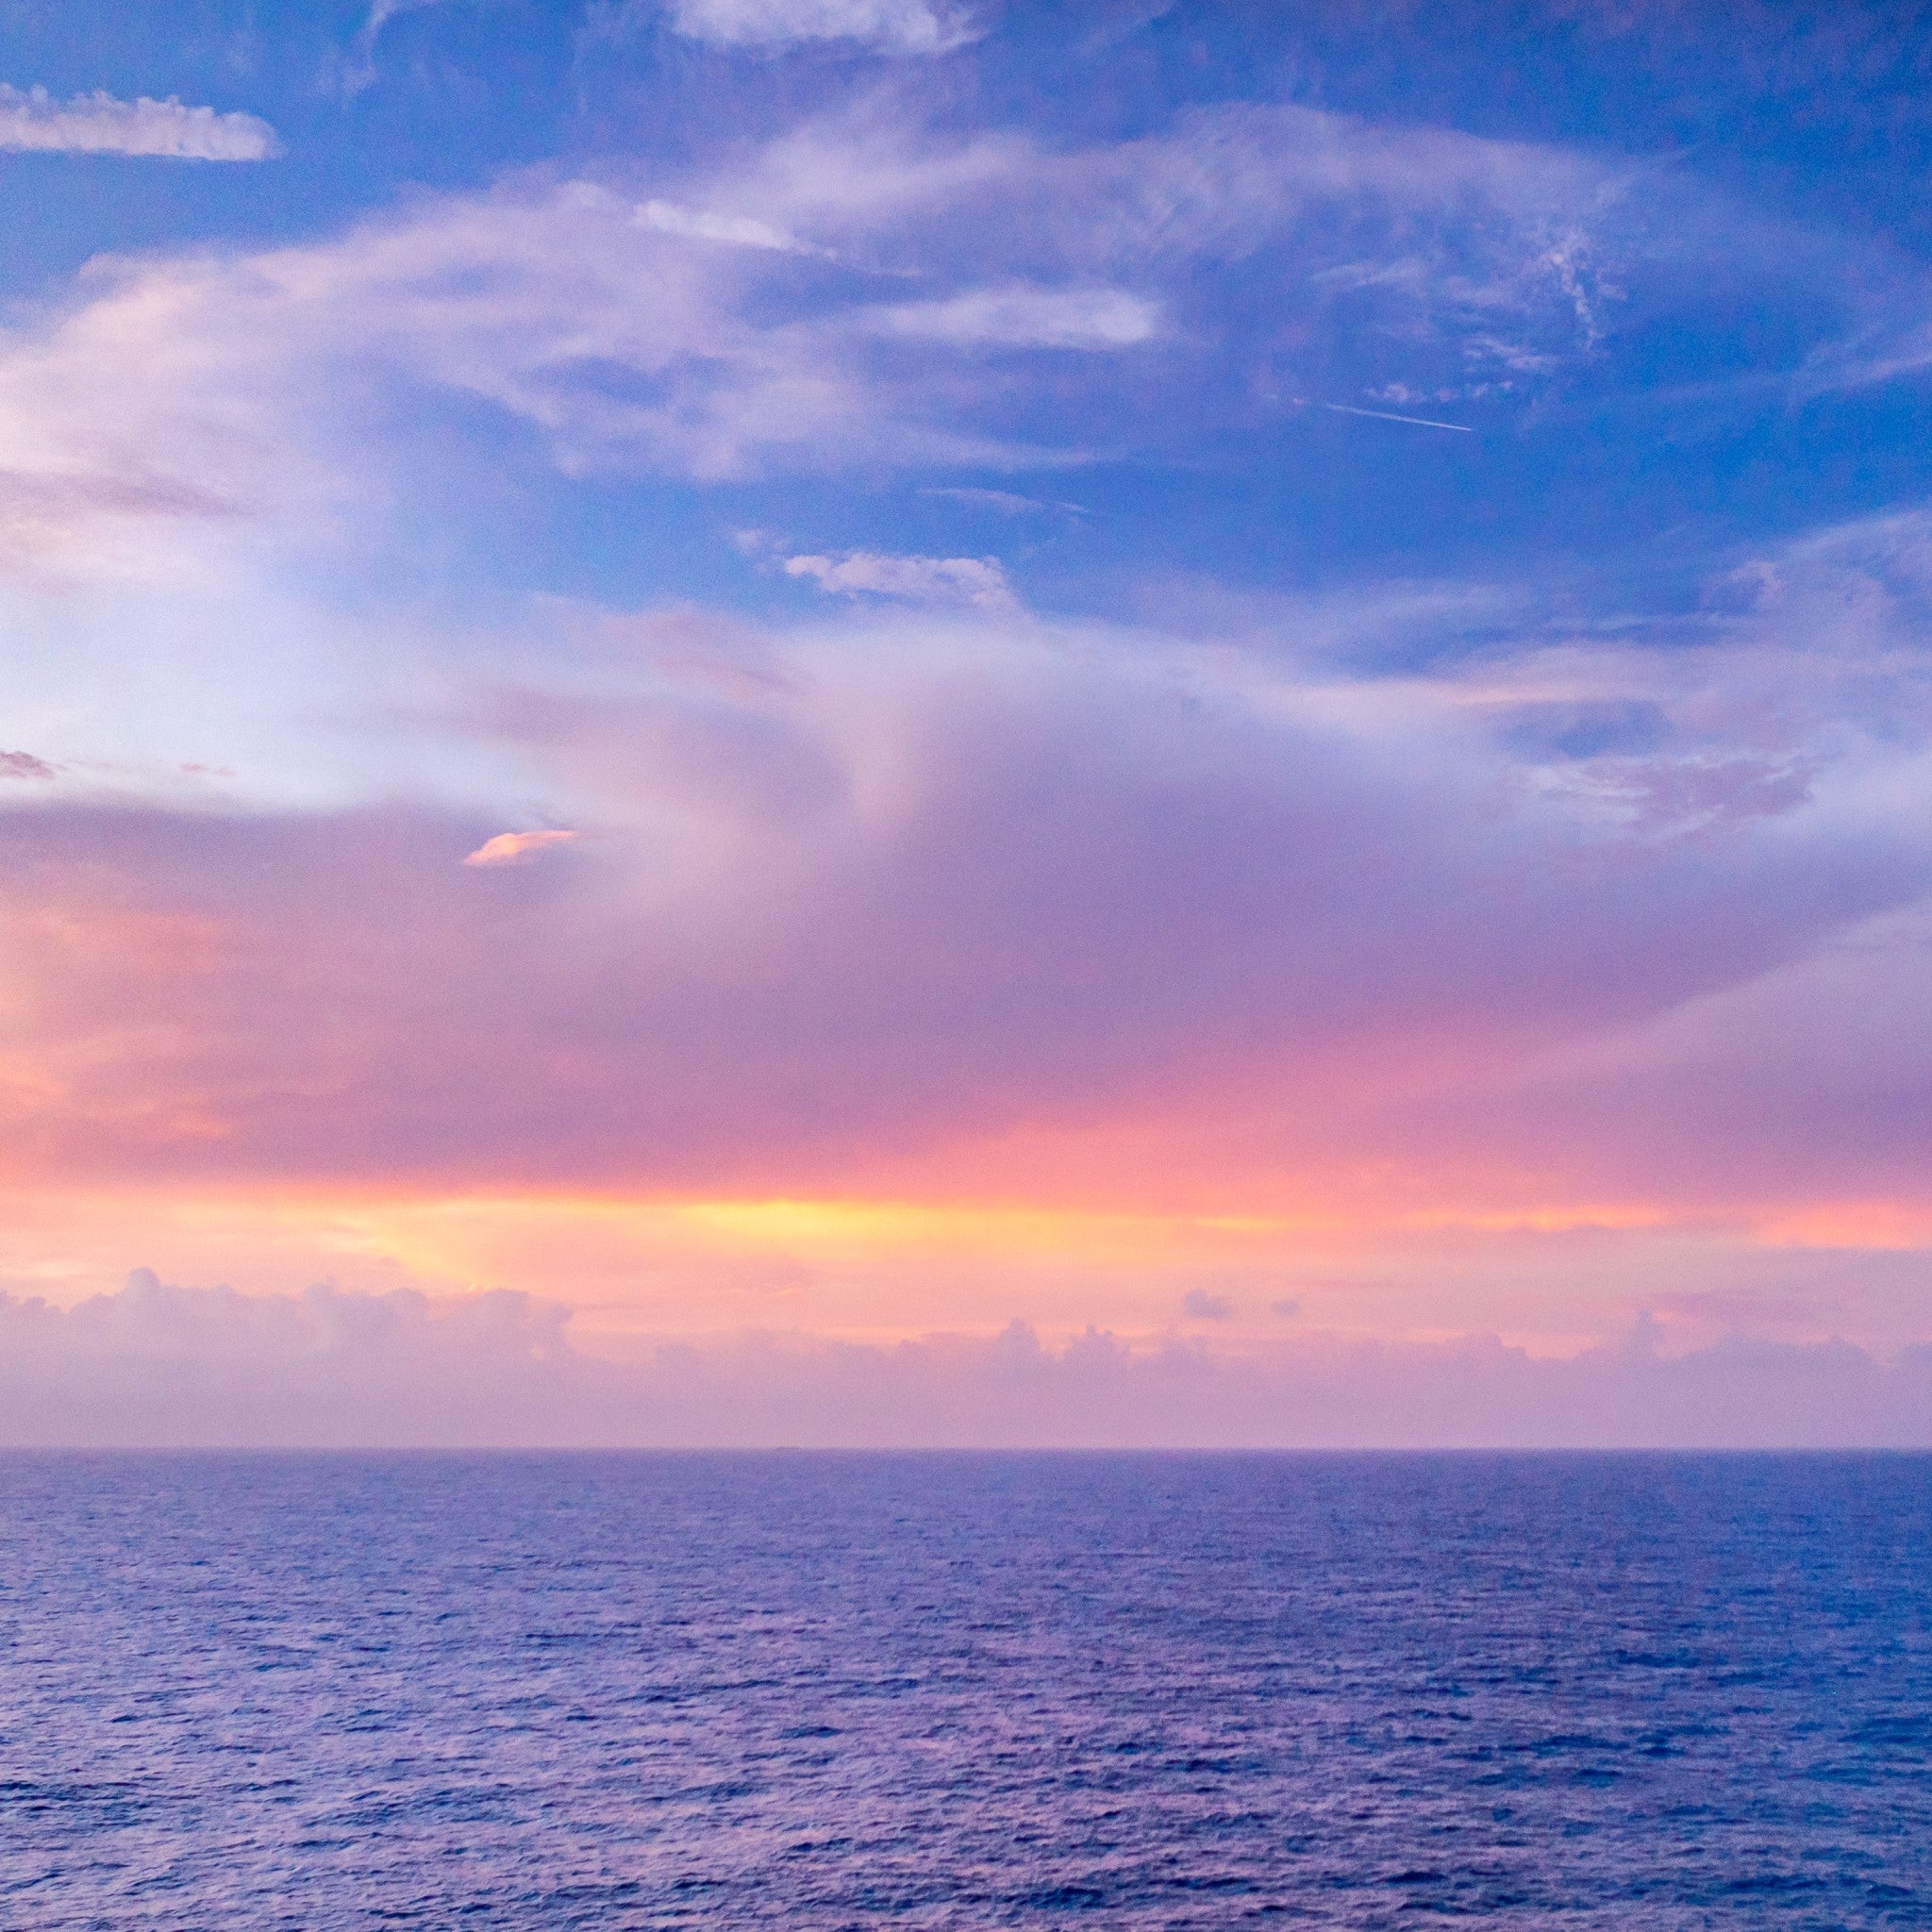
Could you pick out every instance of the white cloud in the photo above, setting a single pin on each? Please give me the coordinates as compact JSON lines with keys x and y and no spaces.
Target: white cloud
{"x":899,"y":27}
{"x":97,"y":123}
{"x":1021,"y":317}
{"x":737,"y":231}
{"x":693,"y":331}
{"x":980,"y":581}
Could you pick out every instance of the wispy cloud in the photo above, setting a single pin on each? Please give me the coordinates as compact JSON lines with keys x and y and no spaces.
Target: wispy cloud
{"x":980,"y":581}
{"x":733,"y":324}
{"x":896,"y":26}
{"x":358,"y":70}
{"x":1027,"y":317}
{"x":734,"y":230}
{"x":96,"y":123}
{"x":1007,"y":502}
{"x":382,"y":12}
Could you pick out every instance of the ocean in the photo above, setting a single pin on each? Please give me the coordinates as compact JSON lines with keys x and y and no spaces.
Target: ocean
{"x":964,"y":1690}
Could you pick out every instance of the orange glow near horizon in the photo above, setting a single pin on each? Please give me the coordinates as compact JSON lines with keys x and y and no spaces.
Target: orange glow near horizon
{"x":1553,"y":1277}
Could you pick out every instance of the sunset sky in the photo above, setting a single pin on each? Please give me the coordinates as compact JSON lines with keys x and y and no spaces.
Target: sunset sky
{"x":1254,"y":677}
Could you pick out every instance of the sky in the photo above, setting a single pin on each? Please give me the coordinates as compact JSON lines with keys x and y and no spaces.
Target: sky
{"x":898,"y":720}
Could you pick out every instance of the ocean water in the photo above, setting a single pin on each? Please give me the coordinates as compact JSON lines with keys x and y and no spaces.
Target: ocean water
{"x":816,"y":1692}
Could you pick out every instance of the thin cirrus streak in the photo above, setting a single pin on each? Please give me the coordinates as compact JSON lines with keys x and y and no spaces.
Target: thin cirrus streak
{"x":1390,"y":416}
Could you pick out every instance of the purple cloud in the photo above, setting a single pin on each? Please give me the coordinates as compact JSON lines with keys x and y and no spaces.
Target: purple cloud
{"x":158,"y":1365}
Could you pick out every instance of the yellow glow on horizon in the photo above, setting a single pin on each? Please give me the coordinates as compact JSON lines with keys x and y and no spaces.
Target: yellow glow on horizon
{"x":372,"y":1221}
{"x":882,"y":1268}
{"x":901,"y":1224}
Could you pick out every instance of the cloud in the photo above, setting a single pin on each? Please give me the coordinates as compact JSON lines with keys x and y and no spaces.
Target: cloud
{"x":978,"y":581}
{"x":60,"y":520}
{"x":358,"y":70}
{"x":937,"y":889}
{"x":171,"y":1365}
{"x":156,"y":1365}
{"x":1026,"y":318}
{"x":896,"y":26}
{"x":1199,"y":1306}
{"x":97,"y":123}
{"x":383,"y":12}
{"x":731,"y":321}
{"x":737,"y":231}
{"x":23,"y":764}
{"x":1007,"y":502}
{"x":516,"y":848}
{"x":957,"y":899}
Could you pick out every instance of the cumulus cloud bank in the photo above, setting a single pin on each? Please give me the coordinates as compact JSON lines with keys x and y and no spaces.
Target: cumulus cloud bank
{"x":34,"y":123}
{"x":161,"y":1365}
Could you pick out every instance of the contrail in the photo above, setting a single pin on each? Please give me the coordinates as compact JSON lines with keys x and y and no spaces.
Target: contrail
{"x":1388,"y":416}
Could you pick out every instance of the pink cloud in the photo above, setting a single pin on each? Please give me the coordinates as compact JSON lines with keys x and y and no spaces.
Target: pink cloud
{"x":942,"y":914}
{"x":516,"y":848}
{"x":160,"y":1365}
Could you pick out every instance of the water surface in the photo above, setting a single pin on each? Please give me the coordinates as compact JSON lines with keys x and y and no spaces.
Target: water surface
{"x":819,"y":1692}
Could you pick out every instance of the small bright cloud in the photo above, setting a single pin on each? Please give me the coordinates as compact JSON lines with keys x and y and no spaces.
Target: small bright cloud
{"x":898,"y":27}
{"x":1021,"y":317}
{"x":516,"y":848}
{"x":980,"y":581}
{"x":737,"y":231}
{"x":97,"y":123}
{"x":23,"y":764}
